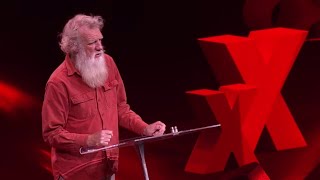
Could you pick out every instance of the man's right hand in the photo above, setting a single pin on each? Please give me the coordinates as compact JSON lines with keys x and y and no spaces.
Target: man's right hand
{"x":101,"y":138}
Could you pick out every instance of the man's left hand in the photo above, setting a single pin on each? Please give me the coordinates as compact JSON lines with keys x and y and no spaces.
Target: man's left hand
{"x":155,"y":129}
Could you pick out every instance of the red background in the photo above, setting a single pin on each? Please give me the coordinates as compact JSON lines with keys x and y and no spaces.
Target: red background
{"x":154,"y":44}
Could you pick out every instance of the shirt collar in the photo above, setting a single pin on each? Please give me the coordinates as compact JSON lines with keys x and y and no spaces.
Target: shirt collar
{"x":70,"y":66}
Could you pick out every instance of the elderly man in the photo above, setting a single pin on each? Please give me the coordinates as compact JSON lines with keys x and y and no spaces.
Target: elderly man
{"x":84,"y":103}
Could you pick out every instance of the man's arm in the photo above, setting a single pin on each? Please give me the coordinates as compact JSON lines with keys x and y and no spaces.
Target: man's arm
{"x":55,"y":110}
{"x":128,"y":118}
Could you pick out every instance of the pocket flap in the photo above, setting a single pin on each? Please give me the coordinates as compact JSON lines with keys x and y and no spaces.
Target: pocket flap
{"x":111,"y":84}
{"x":82,"y":98}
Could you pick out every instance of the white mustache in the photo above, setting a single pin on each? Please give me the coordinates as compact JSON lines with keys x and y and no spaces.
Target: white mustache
{"x":100,"y":52}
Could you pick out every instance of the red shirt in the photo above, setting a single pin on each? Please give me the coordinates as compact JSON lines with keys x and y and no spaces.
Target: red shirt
{"x":72,"y":110}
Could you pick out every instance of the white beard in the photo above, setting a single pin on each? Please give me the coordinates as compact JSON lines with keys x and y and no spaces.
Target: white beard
{"x":93,"y":71}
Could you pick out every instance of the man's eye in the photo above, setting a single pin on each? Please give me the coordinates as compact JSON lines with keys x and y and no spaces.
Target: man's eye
{"x":92,"y":43}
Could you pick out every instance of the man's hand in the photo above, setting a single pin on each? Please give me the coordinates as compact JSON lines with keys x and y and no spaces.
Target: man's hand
{"x":101,"y":138}
{"x":155,"y":129}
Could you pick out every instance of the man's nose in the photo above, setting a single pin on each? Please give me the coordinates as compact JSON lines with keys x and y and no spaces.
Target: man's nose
{"x":99,"y":46}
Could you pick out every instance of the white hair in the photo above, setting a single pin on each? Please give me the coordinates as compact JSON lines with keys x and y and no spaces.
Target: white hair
{"x":69,"y":42}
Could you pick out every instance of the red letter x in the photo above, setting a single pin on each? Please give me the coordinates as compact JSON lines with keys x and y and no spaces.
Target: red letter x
{"x":262,"y":60}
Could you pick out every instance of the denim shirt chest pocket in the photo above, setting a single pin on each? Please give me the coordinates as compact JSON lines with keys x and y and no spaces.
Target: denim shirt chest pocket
{"x":111,"y":93}
{"x":83,"y":106}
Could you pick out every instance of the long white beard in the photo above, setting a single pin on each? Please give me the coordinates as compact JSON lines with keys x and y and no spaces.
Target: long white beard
{"x":93,"y":71}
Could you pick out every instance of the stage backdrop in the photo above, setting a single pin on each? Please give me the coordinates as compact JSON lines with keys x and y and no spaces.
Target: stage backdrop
{"x":159,"y":49}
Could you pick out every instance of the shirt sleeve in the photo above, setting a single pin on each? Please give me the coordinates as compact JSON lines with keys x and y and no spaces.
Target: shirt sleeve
{"x":127,"y":118}
{"x":55,"y":110}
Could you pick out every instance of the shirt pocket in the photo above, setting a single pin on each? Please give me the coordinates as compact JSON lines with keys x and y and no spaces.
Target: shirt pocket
{"x":83,"y":106}
{"x":111,"y":93}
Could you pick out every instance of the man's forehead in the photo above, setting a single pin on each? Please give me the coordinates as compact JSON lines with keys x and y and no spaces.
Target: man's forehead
{"x":90,"y":33}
